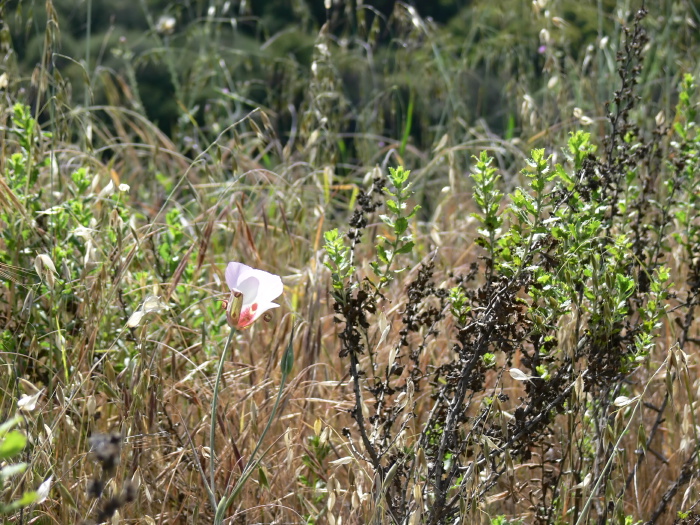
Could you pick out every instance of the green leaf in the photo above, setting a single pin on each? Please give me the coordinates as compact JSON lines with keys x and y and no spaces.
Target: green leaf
{"x":400,"y":226}
{"x":406,"y":248}
{"x":413,"y":212}
{"x":12,"y":470}
{"x":393,"y":207}
{"x":387,"y":220}
{"x":27,"y":499}
{"x":9,"y":425}
{"x":478,"y":217}
{"x":288,"y":357}
{"x":331,"y":235}
{"x":12,"y":445}
{"x":263,"y":478}
{"x":625,"y":285}
{"x":382,"y":254}
{"x":562,"y":174}
{"x":398,"y":176}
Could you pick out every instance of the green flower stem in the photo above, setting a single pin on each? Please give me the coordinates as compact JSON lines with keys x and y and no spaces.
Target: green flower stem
{"x":286,"y":366}
{"x":212,"y":432}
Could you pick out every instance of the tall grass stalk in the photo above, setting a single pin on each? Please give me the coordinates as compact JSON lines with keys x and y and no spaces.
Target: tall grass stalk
{"x":286,"y":365}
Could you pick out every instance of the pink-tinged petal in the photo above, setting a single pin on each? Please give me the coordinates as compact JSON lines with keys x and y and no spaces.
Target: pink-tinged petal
{"x":247,"y":316}
{"x":251,"y":313}
{"x":249,"y":287}
{"x":259,"y":288}
{"x":271,"y":287}
{"x":233,"y":272}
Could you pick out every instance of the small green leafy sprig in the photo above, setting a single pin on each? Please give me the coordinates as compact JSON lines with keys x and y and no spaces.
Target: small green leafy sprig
{"x":652,"y":312}
{"x":578,"y":148}
{"x":685,"y":124}
{"x":488,"y":198}
{"x":608,"y":290}
{"x":23,"y":167}
{"x":339,"y":263}
{"x":397,"y":220}
{"x":686,"y":150}
{"x":459,"y":305}
{"x":519,"y":243}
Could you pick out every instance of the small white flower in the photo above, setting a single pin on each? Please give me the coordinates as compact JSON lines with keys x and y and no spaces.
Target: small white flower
{"x":519,"y":375}
{"x":124,"y":187}
{"x":43,"y":491}
{"x":45,"y":268}
{"x":152,"y":303}
{"x":42,"y":262}
{"x":623,"y":401}
{"x":258,"y":289}
{"x":28,"y":403}
{"x":135,"y":319}
{"x":107,"y":191}
{"x":166,"y":25}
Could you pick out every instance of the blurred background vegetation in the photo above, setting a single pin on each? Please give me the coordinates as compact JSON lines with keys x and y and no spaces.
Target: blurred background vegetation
{"x":389,"y":69}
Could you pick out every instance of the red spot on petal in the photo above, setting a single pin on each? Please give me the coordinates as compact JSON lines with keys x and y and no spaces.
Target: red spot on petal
{"x":253,"y":307}
{"x":246,"y":318}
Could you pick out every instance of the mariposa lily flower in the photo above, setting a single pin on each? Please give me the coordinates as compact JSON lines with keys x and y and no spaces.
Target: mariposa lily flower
{"x":252,"y":293}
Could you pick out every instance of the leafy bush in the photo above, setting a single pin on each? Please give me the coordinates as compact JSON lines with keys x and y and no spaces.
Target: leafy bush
{"x":12,"y":443}
{"x":569,"y":300}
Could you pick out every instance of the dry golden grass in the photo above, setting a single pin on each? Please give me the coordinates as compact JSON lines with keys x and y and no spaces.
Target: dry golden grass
{"x":158,"y":398}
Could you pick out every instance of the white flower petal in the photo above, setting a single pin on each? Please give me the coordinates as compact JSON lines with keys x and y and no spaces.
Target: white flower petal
{"x":107,"y":190}
{"x":259,"y":289}
{"x":233,"y":271}
{"x":265,"y":288}
{"x":249,"y":288}
{"x":271,"y":287}
{"x":519,"y":375}
{"x":264,"y":308}
{"x":43,"y":491}
{"x":152,"y":303}
{"x":135,"y":319}
{"x":28,"y":403}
